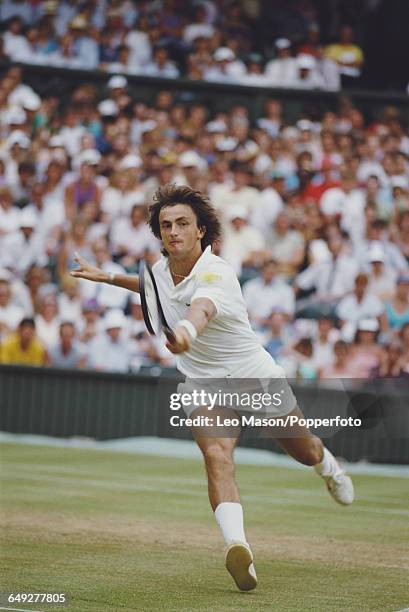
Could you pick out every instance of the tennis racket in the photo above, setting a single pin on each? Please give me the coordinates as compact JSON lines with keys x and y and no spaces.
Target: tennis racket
{"x":152,"y":310}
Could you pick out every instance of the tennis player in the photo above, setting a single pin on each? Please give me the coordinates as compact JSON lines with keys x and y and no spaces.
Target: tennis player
{"x":203,"y":304}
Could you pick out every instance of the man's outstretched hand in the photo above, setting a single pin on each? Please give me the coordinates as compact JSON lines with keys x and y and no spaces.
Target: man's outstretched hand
{"x":87,"y":271}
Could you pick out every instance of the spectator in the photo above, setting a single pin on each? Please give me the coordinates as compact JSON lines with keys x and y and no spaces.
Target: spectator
{"x":132,"y":239}
{"x":90,"y":323}
{"x":74,"y":242}
{"x":266,"y":293}
{"x":393,"y":364}
{"x":377,"y":234}
{"x":85,"y":188}
{"x":107,"y":296}
{"x":139,"y":45}
{"x":67,"y":352}
{"x":10,"y":313}
{"x":348,"y":203}
{"x":330,"y":276}
{"x":278,"y":333}
{"x":323,"y":342}
{"x":69,"y":299}
{"x":243,"y":246}
{"x":47,"y":320}
{"x":297,"y":361}
{"x":226,"y":67}
{"x":382,"y":279}
{"x":342,"y":366}
{"x":9,"y":216}
{"x":401,"y":234}
{"x":360,"y":304}
{"x":85,"y":47}
{"x":161,"y":65}
{"x":22,"y":347}
{"x":348,"y":56}
{"x":282,"y":71}
{"x":366,"y":355}
{"x":111,"y":351}
{"x":16,"y":46}
{"x":269,"y":203}
{"x":200,"y":27}
{"x":237,"y":190}
{"x":307,"y":75}
{"x":286,"y":245}
{"x":23,"y":248}
{"x":397,"y":309}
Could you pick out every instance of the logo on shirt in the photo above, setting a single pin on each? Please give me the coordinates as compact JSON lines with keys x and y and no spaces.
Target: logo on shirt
{"x":210,"y":277}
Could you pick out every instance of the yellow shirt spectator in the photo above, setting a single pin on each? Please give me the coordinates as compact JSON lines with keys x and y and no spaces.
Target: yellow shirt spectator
{"x":12,"y":351}
{"x":346,"y":54}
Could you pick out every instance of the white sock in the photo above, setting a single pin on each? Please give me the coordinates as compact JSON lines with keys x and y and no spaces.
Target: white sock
{"x":328,"y":466}
{"x":229,"y":517}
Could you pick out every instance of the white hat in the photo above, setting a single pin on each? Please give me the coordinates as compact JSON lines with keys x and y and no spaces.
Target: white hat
{"x":108,"y":108}
{"x":319,"y":251}
{"x":190,"y":158}
{"x":130,"y":161}
{"x":91,"y":157}
{"x":147,"y":126}
{"x":114,"y":318}
{"x":283,"y":43}
{"x":117,"y":81}
{"x":290,"y":132}
{"x":32,"y":102}
{"x":14,"y":116}
{"x":224,"y":54}
{"x":376,"y":252}
{"x":305,"y":125}
{"x":56,"y":141}
{"x":305,"y":62}
{"x":236,"y":212}
{"x":28,"y":218}
{"x":18,"y":137}
{"x":216,"y":126}
{"x":401,"y":182}
{"x":370,"y":325}
{"x":5,"y":275}
{"x":227,"y":144}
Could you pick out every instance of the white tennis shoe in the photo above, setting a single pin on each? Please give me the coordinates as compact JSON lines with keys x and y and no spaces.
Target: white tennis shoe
{"x":239,"y":563}
{"x":340,"y":487}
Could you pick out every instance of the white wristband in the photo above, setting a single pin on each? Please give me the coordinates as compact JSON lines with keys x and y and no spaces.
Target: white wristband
{"x":189,"y":326}
{"x":111,"y":278}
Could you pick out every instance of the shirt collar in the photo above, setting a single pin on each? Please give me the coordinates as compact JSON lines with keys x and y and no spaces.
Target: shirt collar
{"x":203,"y":259}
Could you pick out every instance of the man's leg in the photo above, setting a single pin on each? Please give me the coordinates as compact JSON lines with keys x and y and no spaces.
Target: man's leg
{"x":225,"y":499}
{"x":306,"y":448}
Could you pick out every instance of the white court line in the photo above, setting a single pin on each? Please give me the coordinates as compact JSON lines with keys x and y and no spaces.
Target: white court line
{"x":42,"y":469}
{"x":109,"y":484}
{"x":20,"y":609}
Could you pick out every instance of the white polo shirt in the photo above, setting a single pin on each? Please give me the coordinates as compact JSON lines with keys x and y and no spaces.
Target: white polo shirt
{"x":228,"y":347}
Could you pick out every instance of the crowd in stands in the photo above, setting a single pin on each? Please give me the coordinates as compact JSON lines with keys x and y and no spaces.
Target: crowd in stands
{"x":315,"y":217}
{"x":214,"y":40}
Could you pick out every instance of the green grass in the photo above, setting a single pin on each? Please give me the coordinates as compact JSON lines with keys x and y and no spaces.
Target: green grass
{"x":129,"y":532}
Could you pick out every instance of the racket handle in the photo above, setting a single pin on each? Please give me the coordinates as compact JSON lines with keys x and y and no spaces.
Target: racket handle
{"x":170,"y":336}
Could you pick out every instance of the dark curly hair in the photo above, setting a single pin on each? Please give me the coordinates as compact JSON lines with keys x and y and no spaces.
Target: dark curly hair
{"x":171,"y":195}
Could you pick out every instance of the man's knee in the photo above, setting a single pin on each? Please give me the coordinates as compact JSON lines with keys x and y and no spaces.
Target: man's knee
{"x":218,"y":458}
{"x":312,"y":452}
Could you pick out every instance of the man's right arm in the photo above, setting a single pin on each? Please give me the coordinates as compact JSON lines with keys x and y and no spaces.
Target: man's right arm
{"x":92,"y":273}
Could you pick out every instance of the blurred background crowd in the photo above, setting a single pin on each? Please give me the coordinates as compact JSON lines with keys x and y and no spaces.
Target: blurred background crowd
{"x":308,"y":44}
{"x":315,"y":212}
